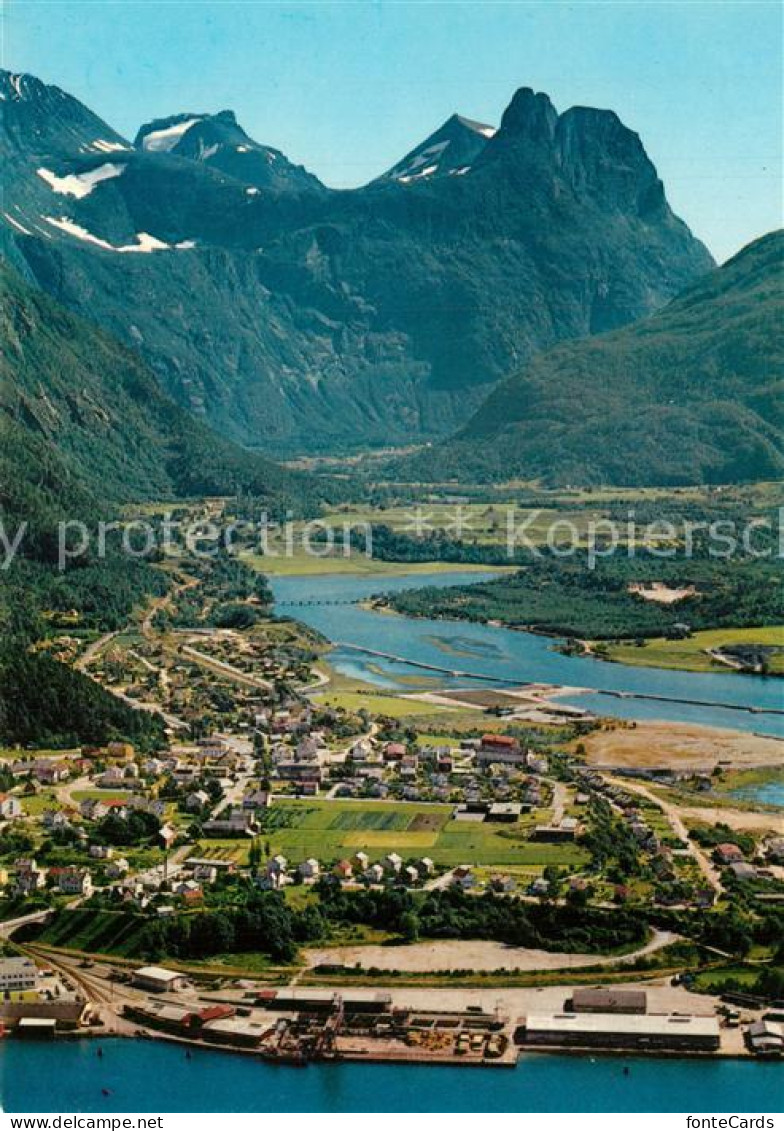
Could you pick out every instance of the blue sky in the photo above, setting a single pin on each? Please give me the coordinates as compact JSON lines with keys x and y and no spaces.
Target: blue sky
{"x":346,"y":88}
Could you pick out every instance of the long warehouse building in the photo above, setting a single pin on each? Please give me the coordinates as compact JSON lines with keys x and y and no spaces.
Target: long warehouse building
{"x":611,"y":1030}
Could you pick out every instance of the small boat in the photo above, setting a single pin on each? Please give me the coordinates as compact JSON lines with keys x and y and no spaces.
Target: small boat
{"x":100,"y":1052}
{"x":106,"y":1091}
{"x":626,"y":1070}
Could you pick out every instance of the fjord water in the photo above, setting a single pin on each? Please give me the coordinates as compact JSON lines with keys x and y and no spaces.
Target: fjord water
{"x":507,"y":654}
{"x":154,"y":1076}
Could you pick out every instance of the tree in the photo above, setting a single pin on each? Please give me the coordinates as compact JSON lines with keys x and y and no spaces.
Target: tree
{"x":409,"y":927}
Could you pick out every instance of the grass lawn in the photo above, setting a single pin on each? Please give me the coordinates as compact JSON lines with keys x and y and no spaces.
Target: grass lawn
{"x":331,"y":829}
{"x":691,"y":655}
{"x":380,"y":703}
{"x":35,"y":804}
{"x":102,"y":795}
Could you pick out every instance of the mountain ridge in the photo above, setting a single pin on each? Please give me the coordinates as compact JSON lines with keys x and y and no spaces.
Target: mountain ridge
{"x":691,"y":394}
{"x":296,"y":317}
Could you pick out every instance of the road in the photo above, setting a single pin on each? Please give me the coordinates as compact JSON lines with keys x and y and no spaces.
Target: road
{"x":92,"y":650}
{"x":703,"y":862}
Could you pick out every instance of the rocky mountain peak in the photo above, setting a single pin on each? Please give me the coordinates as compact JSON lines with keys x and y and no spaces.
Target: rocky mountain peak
{"x":529,"y":115}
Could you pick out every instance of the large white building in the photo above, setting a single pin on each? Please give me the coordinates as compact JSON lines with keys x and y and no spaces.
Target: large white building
{"x":17,"y":973}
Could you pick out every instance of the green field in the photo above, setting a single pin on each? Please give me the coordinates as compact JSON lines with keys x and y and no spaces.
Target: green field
{"x":111,"y":932}
{"x":329,"y":830}
{"x":301,"y":564}
{"x":691,"y":654}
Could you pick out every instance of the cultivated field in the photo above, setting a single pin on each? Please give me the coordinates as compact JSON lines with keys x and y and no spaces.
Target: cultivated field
{"x":332,"y":829}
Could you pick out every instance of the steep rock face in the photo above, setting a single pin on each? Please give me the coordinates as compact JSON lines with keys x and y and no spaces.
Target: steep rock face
{"x":295,"y":317}
{"x":690,"y":395}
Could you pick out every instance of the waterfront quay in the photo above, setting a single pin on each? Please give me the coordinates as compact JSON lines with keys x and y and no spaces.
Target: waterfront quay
{"x":457,"y":1026}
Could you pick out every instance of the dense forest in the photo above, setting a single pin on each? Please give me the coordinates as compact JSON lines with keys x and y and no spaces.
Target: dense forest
{"x":566,"y":598}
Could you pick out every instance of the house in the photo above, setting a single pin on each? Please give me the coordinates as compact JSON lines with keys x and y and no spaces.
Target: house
{"x":55,"y":819}
{"x":743,"y":871}
{"x":727,"y":853}
{"x":463,"y":877}
{"x":49,"y":773}
{"x":74,"y":881}
{"x":101,"y":851}
{"x":392,"y":862}
{"x":117,"y":868}
{"x":197,"y":800}
{"x":361,"y":751}
{"x":300,"y":771}
{"x":774,"y":850}
{"x":205,"y":873}
{"x":360,"y":860}
{"x":374,"y":874}
{"x":307,"y":788}
{"x":10,"y":807}
{"x":540,"y":886}
{"x":257,"y":799}
{"x":343,"y":870}
{"x":500,"y":748}
{"x":536,"y":763}
{"x":308,"y":749}
{"x":168,"y":834}
{"x":426,"y":866}
{"x":29,"y":877}
{"x":394,"y":752}
{"x":188,"y":890}
{"x":277,"y":865}
{"x":92,"y":809}
{"x":237,"y":823}
{"x":309,"y":869}
{"x":503,"y":884}
{"x":410,"y":875}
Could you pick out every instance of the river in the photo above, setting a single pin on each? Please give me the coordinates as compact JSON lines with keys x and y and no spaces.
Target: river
{"x":506,"y":654}
{"x":152,"y":1077}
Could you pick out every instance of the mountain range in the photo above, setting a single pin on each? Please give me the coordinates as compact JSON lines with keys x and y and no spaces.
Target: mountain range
{"x":293,"y":317}
{"x":692,"y":394}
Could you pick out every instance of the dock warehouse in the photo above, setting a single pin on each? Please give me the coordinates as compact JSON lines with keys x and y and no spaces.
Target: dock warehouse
{"x":607,"y":1001}
{"x":290,"y":999}
{"x":158,"y":980}
{"x":241,"y":1031}
{"x":63,"y":1014}
{"x":610,"y":1030}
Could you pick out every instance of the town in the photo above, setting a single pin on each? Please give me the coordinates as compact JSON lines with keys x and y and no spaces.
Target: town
{"x":262,"y":871}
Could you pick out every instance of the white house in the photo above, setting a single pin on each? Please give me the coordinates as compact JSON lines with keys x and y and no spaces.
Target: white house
{"x":309,"y":869}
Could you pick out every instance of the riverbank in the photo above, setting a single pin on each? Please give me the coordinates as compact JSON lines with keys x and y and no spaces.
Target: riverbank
{"x":331,"y":605}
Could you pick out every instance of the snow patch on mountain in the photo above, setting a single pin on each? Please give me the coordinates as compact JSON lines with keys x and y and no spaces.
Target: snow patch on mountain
{"x":146,"y":243}
{"x":15,"y":223}
{"x":80,"y":184}
{"x":162,"y":141}
{"x":425,"y":157}
{"x":108,"y":146}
